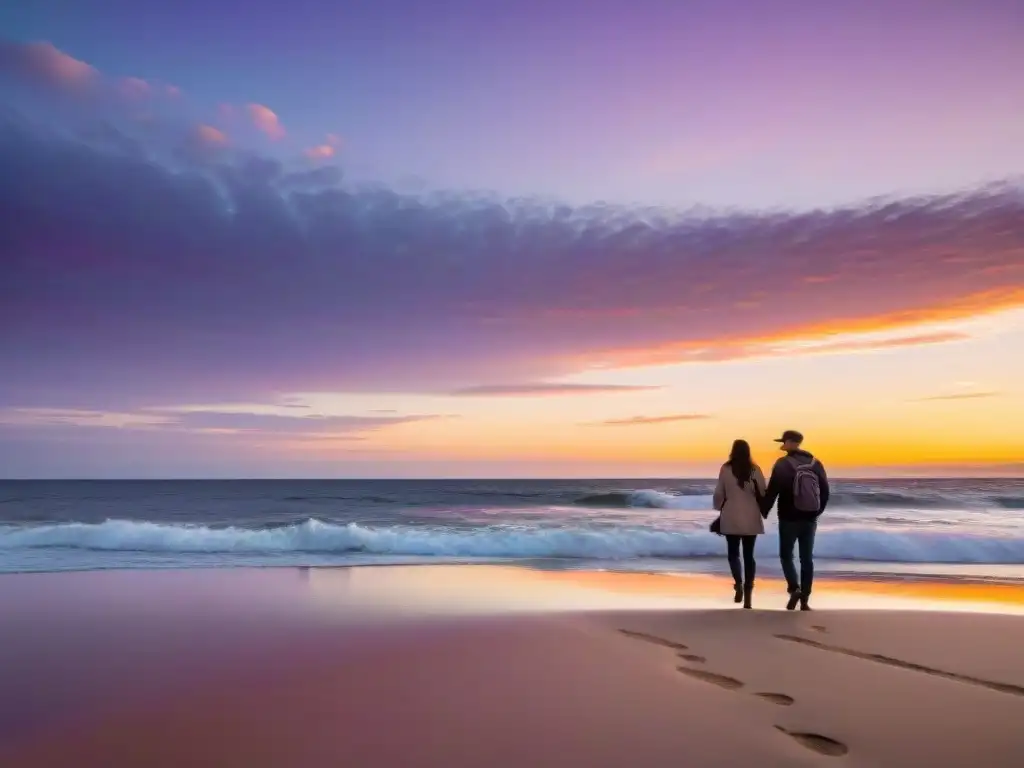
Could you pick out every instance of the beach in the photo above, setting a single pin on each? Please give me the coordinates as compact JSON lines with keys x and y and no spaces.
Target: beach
{"x":495,"y":665}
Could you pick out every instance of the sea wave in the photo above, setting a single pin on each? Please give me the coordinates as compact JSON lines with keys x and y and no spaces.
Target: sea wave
{"x":647,"y":498}
{"x":601,"y":543}
{"x":651,"y":499}
{"x":1009,"y":502}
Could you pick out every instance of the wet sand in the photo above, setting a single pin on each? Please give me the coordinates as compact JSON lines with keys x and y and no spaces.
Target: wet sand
{"x":477,"y":665}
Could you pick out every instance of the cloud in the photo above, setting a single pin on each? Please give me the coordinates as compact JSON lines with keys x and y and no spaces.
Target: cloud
{"x":546,"y":390}
{"x":292,"y":425}
{"x":48,"y":70}
{"x":320,"y":152}
{"x":266,"y":120}
{"x":135,"y":88}
{"x":958,"y":396}
{"x":43,"y":64}
{"x":329,"y":147}
{"x":645,"y":420}
{"x":241,"y":277}
{"x":208,"y":136}
{"x":207,"y":422}
{"x":76,"y":417}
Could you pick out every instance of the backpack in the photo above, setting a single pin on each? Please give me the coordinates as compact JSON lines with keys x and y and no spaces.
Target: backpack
{"x":806,"y":487}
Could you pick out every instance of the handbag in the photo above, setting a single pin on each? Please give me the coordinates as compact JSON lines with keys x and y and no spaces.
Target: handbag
{"x":716,"y":524}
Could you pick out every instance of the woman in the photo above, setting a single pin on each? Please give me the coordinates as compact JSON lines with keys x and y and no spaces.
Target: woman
{"x":738,"y":497}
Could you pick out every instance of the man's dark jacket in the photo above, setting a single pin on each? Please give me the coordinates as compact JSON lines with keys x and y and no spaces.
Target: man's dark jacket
{"x":780,"y":486}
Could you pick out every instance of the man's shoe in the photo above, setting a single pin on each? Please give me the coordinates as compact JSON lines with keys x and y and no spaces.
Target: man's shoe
{"x":794,"y":598}
{"x":738,"y":596}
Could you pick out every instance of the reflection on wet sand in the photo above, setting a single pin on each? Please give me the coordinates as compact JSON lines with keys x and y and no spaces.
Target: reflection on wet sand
{"x":310,"y":666}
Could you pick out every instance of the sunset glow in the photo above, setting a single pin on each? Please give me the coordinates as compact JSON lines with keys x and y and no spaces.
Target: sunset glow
{"x":515,"y":256}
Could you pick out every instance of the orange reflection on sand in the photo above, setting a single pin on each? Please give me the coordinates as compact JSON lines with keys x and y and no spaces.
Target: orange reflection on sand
{"x":499,"y":589}
{"x":932,"y":594}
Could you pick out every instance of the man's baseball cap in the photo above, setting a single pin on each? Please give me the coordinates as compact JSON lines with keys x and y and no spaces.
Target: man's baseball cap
{"x":790,"y":435}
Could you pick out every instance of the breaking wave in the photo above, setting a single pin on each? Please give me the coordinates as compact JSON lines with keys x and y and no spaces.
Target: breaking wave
{"x":602,"y":543}
{"x":841,"y":497}
{"x":647,"y":499}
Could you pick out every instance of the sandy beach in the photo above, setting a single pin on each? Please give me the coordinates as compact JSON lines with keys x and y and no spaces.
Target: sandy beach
{"x":499,"y":666}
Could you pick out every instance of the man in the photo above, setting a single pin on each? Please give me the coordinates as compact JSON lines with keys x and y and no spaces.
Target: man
{"x":800,"y":484}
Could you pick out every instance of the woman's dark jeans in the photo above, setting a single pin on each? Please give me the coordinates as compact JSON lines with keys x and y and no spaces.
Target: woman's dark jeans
{"x":733,"y":543}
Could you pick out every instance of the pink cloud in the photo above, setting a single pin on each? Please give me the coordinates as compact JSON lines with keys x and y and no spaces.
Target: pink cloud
{"x":43,"y":62}
{"x":332,"y":142}
{"x":173,"y":91}
{"x":266,"y":120}
{"x":645,"y":420}
{"x":134,"y":88}
{"x":209,"y":136}
{"x":320,"y":152}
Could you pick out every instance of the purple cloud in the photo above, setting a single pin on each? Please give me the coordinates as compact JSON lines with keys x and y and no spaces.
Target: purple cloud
{"x":291,"y":425}
{"x":131,"y":278}
{"x":544,"y":389}
{"x":205,"y":422}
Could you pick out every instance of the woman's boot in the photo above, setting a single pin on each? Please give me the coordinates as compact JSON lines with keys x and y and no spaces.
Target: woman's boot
{"x":748,"y":596}
{"x":738,"y":597}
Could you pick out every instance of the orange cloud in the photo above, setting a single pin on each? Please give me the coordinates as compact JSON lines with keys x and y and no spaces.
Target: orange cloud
{"x":832,"y":336}
{"x":266,"y":120}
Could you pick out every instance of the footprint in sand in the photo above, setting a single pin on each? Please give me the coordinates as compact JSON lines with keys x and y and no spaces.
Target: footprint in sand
{"x":654,"y":639}
{"x":818,"y":628}
{"x":776,"y":698}
{"x":723,"y":681}
{"x":815,"y":742}
{"x":692,"y":657}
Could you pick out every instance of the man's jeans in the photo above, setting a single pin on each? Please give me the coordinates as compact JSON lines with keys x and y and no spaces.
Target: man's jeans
{"x":801,"y":532}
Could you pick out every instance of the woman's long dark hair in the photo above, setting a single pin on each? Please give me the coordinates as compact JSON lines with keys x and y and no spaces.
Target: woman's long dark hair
{"x":740,"y":461}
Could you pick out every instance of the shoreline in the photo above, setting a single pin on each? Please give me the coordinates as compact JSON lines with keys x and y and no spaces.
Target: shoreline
{"x":825,"y":571}
{"x":843,"y":591}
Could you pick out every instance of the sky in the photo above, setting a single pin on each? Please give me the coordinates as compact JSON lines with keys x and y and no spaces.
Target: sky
{"x":471,"y":238}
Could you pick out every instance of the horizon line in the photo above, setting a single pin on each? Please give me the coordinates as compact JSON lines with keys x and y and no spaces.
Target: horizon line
{"x":595,"y":478}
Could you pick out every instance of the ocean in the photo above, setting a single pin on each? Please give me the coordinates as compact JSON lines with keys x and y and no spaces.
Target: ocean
{"x":940,"y":527}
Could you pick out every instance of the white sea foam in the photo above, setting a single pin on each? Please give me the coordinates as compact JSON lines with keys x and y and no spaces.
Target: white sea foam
{"x":659,"y":500}
{"x":604,"y":543}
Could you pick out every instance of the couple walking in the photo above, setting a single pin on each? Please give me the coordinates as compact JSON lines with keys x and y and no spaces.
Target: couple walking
{"x":799,"y":484}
